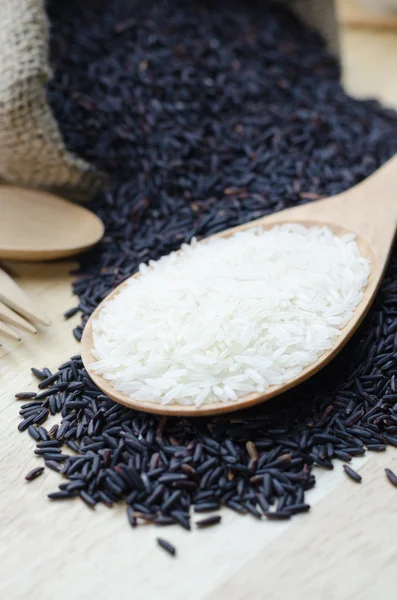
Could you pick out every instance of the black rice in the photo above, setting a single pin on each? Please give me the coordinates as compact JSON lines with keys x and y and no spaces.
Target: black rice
{"x":34,"y":473}
{"x":51,"y":464}
{"x":33,"y":432}
{"x":352,"y":474}
{"x":206,"y":506}
{"x":278,"y":515}
{"x":62,"y":495}
{"x":71,"y":312}
{"x":25,"y":395}
{"x":38,"y":373}
{"x":391,"y":477}
{"x":166,"y":546}
{"x":209,"y":521}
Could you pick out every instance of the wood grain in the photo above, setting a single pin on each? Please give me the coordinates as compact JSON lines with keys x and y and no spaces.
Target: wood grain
{"x":344,"y":549}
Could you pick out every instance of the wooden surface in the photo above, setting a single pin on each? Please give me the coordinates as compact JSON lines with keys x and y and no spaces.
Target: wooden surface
{"x":350,"y":212}
{"x":370,"y":64}
{"x":345,"y":549}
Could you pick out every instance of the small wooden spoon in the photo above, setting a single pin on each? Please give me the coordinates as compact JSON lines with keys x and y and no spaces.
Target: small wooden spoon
{"x":369,"y":210}
{"x":36,"y":225}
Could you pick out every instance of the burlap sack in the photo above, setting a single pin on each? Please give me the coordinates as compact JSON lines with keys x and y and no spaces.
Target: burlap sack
{"x":321,"y":15}
{"x":32,"y":152}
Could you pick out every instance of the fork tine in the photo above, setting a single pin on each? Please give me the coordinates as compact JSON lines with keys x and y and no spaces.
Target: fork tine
{"x":8,"y":332}
{"x":12,"y":295}
{"x":9,"y":316}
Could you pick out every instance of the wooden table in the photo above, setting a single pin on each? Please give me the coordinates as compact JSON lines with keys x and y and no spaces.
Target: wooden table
{"x":344,"y":549}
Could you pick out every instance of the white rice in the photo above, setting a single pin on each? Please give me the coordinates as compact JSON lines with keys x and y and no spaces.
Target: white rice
{"x":231,"y":316}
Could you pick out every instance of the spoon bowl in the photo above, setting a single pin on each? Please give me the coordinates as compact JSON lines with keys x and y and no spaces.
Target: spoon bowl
{"x":368,"y":210}
{"x":36,"y":225}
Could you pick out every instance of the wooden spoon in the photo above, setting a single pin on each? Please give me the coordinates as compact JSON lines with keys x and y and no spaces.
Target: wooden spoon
{"x":36,"y":225}
{"x":369,"y":210}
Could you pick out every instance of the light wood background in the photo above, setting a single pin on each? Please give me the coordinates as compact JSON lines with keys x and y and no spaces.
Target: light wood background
{"x":344,"y":549}
{"x":355,"y":13}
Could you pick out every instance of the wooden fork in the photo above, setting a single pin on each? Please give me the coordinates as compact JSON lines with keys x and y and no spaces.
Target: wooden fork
{"x":17,"y":310}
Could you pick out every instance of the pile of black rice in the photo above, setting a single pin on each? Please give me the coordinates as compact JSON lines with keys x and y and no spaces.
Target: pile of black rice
{"x":207,"y":116}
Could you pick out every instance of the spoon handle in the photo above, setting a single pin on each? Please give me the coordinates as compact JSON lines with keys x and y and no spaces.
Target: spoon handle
{"x":369,"y":209}
{"x":379,"y":190}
